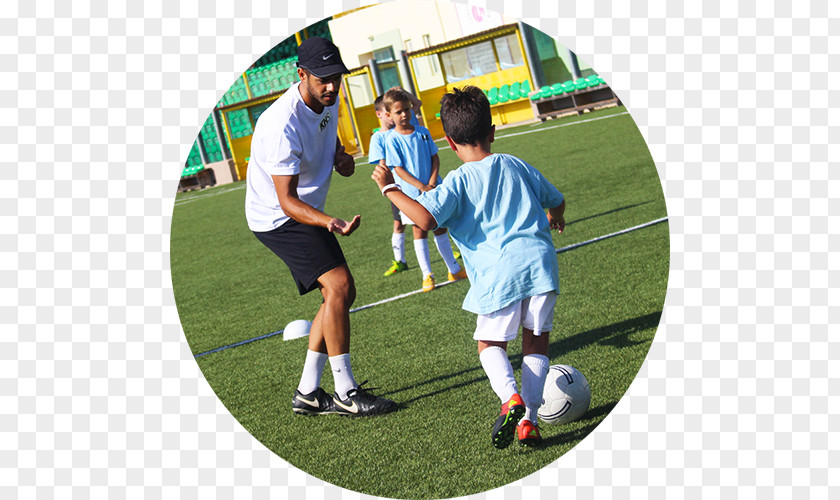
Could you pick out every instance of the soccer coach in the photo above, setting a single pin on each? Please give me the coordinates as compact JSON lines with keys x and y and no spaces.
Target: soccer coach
{"x":294,"y":150}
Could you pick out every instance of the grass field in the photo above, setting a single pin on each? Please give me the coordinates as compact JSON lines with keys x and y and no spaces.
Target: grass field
{"x":419,"y":350}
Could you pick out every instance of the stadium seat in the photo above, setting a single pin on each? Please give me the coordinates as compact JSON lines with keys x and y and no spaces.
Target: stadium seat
{"x":525,"y":89}
{"x":569,"y":86}
{"x":493,"y":95}
{"x":513,"y":92}
{"x":545,"y":92}
{"x":557,"y":89}
{"x":504,"y":93}
{"x":593,"y":80}
{"x":581,"y":84}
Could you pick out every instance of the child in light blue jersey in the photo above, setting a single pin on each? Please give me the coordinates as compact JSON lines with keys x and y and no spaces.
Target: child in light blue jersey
{"x":377,"y":156}
{"x":494,"y":208}
{"x":412,"y":153}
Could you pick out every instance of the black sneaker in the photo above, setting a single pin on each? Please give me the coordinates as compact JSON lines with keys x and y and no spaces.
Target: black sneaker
{"x":361,"y":403}
{"x":317,"y":402}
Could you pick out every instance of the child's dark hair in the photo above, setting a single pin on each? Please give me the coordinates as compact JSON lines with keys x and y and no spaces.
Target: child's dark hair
{"x":465,"y":114}
{"x":379,"y":103}
{"x":395,"y":95}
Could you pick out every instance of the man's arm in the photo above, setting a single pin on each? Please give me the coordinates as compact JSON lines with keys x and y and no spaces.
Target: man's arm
{"x":294,"y":207}
{"x":413,"y":210}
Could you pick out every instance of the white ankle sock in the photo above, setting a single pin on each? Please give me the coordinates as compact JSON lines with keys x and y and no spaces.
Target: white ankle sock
{"x":497,"y":366}
{"x":445,"y":250}
{"x":313,"y":367}
{"x":534,"y":372}
{"x":342,"y":374}
{"x":421,"y":248}
{"x":398,"y":245}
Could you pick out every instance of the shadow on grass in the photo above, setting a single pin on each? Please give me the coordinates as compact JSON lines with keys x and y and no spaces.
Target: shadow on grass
{"x":609,"y":212}
{"x":616,"y":335}
{"x":594,"y":417}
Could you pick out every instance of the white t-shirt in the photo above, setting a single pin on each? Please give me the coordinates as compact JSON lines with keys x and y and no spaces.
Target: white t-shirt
{"x":289,"y":139}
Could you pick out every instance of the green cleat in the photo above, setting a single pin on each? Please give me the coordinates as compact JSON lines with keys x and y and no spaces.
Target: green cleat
{"x":396,"y":267}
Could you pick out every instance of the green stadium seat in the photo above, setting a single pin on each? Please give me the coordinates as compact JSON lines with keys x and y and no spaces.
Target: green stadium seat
{"x":525,"y":89}
{"x":513,"y":92}
{"x":593,"y":80}
{"x":581,"y":84}
{"x":504,"y":93}
{"x":569,"y":86}
{"x":493,"y":95}
{"x":557,"y":89}
{"x":545,"y":92}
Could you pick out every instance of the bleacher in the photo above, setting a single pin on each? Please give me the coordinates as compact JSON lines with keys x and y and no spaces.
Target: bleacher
{"x":572,"y":96}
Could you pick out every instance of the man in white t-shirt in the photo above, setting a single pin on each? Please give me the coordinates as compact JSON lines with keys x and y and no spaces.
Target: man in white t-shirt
{"x":294,"y":150}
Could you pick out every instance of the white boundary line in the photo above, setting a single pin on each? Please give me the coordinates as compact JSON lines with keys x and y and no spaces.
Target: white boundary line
{"x":408,"y":294}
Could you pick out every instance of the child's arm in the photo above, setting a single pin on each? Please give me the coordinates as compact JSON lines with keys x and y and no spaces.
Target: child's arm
{"x":413,"y":210}
{"x":435,"y":170}
{"x":556,"y":218}
{"x":407,"y":177}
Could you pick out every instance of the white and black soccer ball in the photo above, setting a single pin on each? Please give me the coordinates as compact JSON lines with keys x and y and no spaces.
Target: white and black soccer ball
{"x":566,"y":395}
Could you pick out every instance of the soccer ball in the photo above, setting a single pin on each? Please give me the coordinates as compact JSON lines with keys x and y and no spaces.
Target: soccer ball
{"x":566,"y":395}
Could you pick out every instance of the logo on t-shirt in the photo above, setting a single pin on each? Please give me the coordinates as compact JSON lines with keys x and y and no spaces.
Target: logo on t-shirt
{"x":325,"y":121}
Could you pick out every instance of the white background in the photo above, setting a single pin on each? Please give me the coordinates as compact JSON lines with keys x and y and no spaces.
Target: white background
{"x":99,"y":394}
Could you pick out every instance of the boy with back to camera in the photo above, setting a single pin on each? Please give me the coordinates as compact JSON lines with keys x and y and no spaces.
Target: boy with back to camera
{"x":494,"y":207}
{"x":412,"y":153}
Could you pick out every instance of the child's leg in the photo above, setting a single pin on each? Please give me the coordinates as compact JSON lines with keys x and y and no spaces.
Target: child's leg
{"x":494,"y":360}
{"x":421,"y":248}
{"x":538,"y":316}
{"x":493,"y":331}
{"x":398,"y":241}
{"x":445,"y":250}
{"x":534,"y":371}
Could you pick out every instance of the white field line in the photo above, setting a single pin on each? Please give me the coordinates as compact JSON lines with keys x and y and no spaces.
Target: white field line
{"x":415,"y":292}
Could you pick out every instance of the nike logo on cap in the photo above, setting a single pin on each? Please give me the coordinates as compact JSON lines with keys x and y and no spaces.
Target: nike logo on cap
{"x":327,"y":57}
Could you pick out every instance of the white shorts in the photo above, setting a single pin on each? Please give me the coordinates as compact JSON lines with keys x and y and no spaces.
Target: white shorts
{"x":405,"y":220}
{"x":534,"y":313}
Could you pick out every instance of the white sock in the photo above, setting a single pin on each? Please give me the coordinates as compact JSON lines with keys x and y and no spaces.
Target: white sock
{"x":313,"y":367}
{"x":398,"y":245}
{"x":534,"y":371}
{"x":342,"y":374}
{"x":445,"y":250}
{"x":497,"y":366}
{"x":421,"y":248}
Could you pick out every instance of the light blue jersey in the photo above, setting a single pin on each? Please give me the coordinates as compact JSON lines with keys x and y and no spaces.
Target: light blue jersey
{"x":414,"y":153}
{"x":380,"y":138}
{"x":377,"y":145}
{"x":494,"y":210}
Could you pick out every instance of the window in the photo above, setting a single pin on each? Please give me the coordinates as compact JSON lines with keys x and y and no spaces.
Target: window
{"x":407,"y":45}
{"x":385,"y":54}
{"x":507,"y":47}
{"x":468,"y":62}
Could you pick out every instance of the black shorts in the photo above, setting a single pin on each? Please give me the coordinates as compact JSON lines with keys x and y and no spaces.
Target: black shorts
{"x":396,"y":213}
{"x":308,"y":251}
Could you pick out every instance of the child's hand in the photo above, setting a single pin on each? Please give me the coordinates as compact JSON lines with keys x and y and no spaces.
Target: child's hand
{"x":343,"y":227}
{"x":559,"y":224}
{"x":382,"y":175}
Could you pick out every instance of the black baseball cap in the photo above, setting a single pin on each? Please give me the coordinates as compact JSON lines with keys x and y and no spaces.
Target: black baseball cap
{"x":320,"y":56}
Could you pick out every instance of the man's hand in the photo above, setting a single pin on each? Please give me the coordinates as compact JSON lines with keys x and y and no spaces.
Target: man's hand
{"x":343,"y":227}
{"x":382,"y":175}
{"x":344,"y":163}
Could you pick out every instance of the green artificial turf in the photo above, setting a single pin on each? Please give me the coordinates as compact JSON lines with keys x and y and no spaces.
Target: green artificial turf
{"x":419,"y":350}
